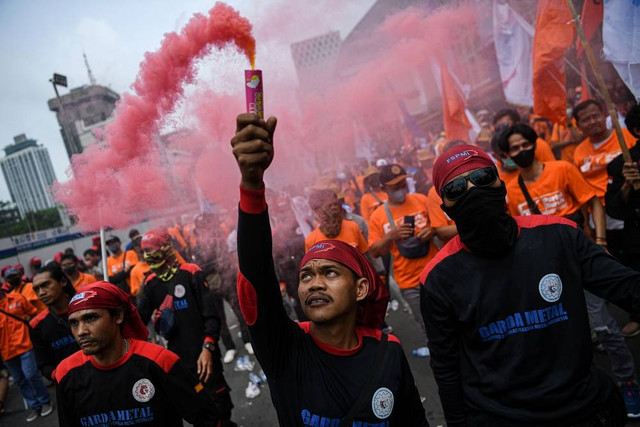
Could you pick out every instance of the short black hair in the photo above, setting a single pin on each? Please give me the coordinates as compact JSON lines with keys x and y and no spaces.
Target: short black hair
{"x":521,"y":129}
{"x":56,"y":273}
{"x":513,"y":114}
{"x":632,"y":121}
{"x":69,"y":256}
{"x":133,"y":232}
{"x":90,"y":252}
{"x":583,"y":105}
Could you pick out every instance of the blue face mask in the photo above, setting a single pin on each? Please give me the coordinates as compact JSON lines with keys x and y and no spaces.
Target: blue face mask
{"x":398,"y":196}
{"x":112,"y":248}
{"x":509,"y":164}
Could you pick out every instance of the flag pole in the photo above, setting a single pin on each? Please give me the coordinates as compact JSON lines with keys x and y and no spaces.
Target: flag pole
{"x":103,"y":251}
{"x":603,"y":88}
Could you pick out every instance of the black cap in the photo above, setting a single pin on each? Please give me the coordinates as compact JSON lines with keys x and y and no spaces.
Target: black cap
{"x":392,"y":174}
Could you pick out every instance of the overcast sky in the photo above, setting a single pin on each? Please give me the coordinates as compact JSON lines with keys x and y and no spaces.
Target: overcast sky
{"x":40,"y":37}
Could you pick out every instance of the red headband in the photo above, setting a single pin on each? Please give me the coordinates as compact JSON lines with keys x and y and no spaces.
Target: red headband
{"x":458,"y":160}
{"x":105,"y":295}
{"x":372,"y":309}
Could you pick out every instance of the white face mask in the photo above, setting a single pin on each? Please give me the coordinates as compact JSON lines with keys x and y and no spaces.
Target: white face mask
{"x":398,"y":196}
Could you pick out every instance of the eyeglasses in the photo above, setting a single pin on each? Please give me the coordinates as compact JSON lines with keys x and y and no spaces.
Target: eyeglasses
{"x":480,"y":178}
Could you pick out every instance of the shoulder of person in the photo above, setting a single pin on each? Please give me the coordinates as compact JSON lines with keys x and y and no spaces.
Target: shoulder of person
{"x":39,"y":318}
{"x":376,"y":334}
{"x":451,"y":248}
{"x":191,"y":268}
{"x":157,"y":354}
{"x":418,"y":196}
{"x":72,"y":362}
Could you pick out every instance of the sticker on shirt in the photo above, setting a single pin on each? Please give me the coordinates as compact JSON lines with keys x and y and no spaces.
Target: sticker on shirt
{"x":143,"y":390}
{"x":179,"y":291}
{"x":550,"y":287}
{"x":382,"y":403}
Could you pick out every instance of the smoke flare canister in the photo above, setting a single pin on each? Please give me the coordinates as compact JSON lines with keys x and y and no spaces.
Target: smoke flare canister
{"x":253,"y":91}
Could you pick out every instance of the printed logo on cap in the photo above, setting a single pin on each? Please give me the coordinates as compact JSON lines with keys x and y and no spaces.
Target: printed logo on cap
{"x":82,"y":297}
{"x":143,"y":390}
{"x":322,"y":247}
{"x":382,"y":403}
{"x":550,"y":287}
{"x":396,"y":170}
{"x":179,"y":291}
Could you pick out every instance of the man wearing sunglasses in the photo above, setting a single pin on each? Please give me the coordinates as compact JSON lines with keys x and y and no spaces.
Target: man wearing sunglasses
{"x":505,"y":313}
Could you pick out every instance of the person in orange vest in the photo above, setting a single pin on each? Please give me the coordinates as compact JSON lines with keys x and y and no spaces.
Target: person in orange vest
{"x":78,"y":279}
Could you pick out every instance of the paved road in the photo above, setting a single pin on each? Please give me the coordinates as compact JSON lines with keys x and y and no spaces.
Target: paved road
{"x":258,"y":412}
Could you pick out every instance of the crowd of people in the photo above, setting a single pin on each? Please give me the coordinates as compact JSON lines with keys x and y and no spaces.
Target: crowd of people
{"x":504,"y":250}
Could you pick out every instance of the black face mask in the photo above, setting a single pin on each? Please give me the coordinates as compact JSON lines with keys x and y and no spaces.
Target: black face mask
{"x":69,"y":270}
{"x":483,"y":223}
{"x":524,"y":158}
{"x":14,"y":281}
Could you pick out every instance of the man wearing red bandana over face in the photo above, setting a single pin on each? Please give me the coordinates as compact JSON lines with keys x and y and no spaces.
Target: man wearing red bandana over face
{"x":338,"y":368}
{"x":505,"y":312}
{"x":185,"y":314}
{"x":118,"y":374}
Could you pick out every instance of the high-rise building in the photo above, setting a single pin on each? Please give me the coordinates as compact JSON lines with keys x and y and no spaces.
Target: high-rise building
{"x":80,"y":112}
{"x":28,"y":172}
{"x":315,"y":59}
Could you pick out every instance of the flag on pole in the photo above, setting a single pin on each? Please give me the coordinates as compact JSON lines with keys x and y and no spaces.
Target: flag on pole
{"x":553,"y":35}
{"x":621,"y":37}
{"x":591,"y":19}
{"x":456,"y":124}
{"x":513,"y":40}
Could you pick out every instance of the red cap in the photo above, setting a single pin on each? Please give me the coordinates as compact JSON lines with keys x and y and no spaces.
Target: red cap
{"x":33,"y":261}
{"x":155,"y":239}
{"x":373,"y":308}
{"x":105,"y":295}
{"x":458,"y":160}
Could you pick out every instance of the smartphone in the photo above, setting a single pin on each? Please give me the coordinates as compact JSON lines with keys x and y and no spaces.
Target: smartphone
{"x":411,"y":220}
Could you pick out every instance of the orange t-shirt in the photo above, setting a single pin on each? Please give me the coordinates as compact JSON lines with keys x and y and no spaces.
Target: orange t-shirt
{"x":593,"y":162}
{"x":543,"y":154}
{"x":138,"y":275}
{"x":562,"y":133}
{"x":368,"y":203}
{"x":83,"y":280}
{"x":405,"y":270}
{"x":26,"y":290}
{"x":116,"y":264}
{"x":349,"y":233}
{"x":560,"y":190}
{"x":14,"y":334}
{"x":437,"y":217}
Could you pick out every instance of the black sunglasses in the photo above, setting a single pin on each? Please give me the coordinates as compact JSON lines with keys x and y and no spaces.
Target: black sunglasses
{"x":480,"y":178}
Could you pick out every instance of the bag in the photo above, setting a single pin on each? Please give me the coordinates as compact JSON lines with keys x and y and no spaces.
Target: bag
{"x":164,"y":321}
{"x":412,"y":247}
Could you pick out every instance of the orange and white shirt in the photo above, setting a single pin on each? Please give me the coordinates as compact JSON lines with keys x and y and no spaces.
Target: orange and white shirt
{"x":14,"y":334}
{"x":349,"y":233}
{"x":406,"y":271}
{"x":84,"y":279}
{"x":560,"y":190}
{"x":593,"y":160}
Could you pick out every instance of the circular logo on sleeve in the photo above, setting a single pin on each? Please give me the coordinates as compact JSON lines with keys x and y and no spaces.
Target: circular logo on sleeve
{"x":550,"y":287}
{"x":179,"y":291}
{"x":382,"y":403}
{"x":143,"y":390}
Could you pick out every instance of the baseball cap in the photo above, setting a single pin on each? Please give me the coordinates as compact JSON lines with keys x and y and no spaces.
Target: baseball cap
{"x":392,"y":174}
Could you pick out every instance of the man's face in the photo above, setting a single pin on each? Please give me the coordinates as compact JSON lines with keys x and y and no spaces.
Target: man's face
{"x":328,"y":290}
{"x":14,"y":280}
{"x":449,"y":203}
{"x":90,"y":260}
{"x":396,"y":192}
{"x":69,"y":266}
{"x":95,"y":329}
{"x":47,"y":288}
{"x":518,"y":143}
{"x":504,"y":120}
{"x":592,"y":121}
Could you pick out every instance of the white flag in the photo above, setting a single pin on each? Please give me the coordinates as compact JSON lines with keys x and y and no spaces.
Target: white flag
{"x":513,"y":39}
{"x":621,"y":37}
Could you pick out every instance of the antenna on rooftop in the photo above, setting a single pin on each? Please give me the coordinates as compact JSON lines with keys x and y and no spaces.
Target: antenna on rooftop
{"x":92,"y":79}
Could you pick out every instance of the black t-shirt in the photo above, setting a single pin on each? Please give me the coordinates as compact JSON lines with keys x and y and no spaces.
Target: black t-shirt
{"x":52,"y":340}
{"x":510,"y":336}
{"x":311,"y":383}
{"x":149,"y":386}
{"x":195,"y":313}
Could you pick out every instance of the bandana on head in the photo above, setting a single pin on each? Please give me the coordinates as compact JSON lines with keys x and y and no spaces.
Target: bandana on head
{"x":456,"y":161}
{"x":158,"y":253}
{"x":373,"y":308}
{"x":106,"y":295}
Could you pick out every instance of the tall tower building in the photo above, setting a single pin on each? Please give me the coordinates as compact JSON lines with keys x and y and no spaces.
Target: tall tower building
{"x":83,"y":110}
{"x":28,"y":172}
{"x":315,"y":59}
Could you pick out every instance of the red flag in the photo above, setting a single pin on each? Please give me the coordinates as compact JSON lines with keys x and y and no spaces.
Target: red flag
{"x":591,"y":18}
{"x":554,"y":34}
{"x":456,"y":124}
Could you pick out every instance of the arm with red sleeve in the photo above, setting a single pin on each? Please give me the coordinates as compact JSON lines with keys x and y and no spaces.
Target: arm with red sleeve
{"x":258,"y":290}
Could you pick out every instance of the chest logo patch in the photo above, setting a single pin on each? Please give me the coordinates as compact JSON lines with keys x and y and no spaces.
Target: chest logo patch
{"x":143,"y":390}
{"x":550,"y":287}
{"x":382,"y":403}
{"x":179,"y":291}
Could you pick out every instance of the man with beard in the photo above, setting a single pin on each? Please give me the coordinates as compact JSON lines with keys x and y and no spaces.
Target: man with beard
{"x":185,"y":315}
{"x":50,"y":332}
{"x":505,"y":310}
{"x":120,"y":379}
